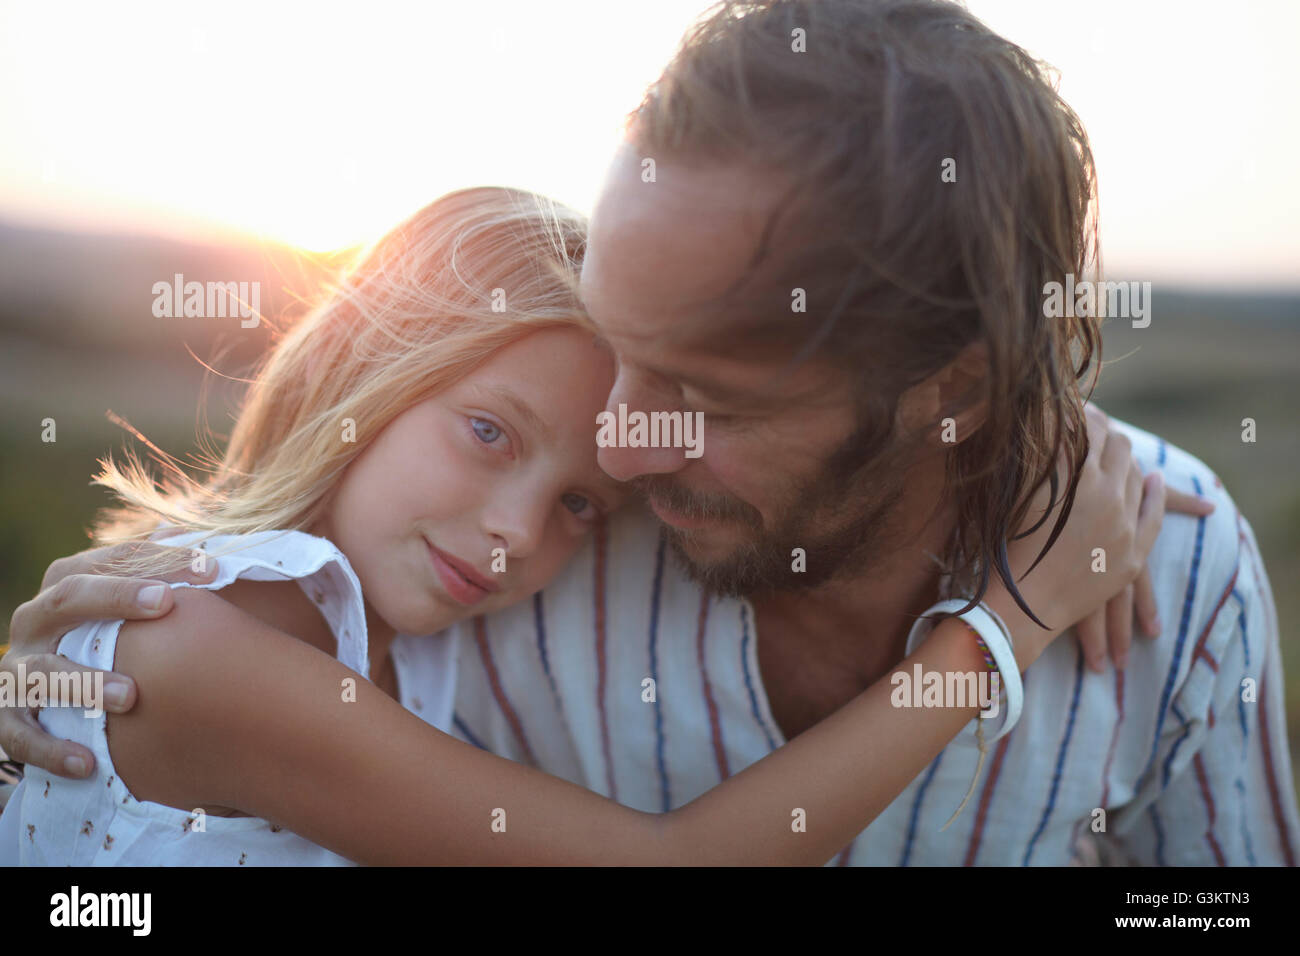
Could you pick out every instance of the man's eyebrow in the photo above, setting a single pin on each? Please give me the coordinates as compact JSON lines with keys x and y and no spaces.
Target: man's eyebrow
{"x":699,"y":382}
{"x":521,"y":408}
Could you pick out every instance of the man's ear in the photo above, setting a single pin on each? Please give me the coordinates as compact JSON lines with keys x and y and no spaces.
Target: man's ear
{"x":950,"y":405}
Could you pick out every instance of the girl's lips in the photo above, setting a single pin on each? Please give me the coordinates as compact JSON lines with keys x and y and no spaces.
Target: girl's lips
{"x":454,"y":581}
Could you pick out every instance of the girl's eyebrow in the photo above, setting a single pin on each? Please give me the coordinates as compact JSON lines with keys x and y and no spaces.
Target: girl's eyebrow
{"x":521,"y":408}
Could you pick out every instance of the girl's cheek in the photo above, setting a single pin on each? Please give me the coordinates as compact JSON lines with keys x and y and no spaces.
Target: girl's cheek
{"x":457,"y":462}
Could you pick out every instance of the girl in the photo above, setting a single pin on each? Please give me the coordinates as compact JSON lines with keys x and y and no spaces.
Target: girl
{"x":417,"y":451}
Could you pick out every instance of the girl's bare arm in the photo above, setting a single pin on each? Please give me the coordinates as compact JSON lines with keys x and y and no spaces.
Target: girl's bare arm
{"x":233,"y":713}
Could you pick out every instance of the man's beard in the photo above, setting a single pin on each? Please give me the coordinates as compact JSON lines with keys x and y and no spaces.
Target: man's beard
{"x":839,"y":517}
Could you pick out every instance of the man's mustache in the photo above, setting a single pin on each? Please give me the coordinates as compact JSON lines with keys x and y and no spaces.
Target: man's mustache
{"x":671,"y":496}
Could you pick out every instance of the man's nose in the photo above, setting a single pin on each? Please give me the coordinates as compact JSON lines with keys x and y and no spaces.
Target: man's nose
{"x":638,"y":393}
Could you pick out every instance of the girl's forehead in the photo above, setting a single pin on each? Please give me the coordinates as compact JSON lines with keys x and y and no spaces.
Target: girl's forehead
{"x":566,"y":367}
{"x":552,"y":384}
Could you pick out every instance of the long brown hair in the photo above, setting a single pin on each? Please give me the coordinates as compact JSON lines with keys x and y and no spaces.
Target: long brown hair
{"x":902,"y":266}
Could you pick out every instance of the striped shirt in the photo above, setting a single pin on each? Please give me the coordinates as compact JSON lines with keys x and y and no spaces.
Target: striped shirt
{"x":1179,"y":760}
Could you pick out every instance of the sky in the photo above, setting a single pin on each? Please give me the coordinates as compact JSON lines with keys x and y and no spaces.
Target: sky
{"x":323,"y":124}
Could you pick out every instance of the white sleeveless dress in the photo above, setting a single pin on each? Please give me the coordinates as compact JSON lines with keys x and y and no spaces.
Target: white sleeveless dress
{"x":53,"y":821}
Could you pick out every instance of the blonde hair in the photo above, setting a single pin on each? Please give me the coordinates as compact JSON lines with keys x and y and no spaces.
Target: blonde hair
{"x":468,"y":274}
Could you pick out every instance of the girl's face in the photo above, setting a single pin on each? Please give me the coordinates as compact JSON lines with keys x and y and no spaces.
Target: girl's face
{"x":475,"y":498}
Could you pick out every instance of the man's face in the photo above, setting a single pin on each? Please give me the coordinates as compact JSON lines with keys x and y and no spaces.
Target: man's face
{"x":771,"y":477}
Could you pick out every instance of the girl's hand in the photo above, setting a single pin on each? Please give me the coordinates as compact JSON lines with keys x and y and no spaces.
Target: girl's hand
{"x":1112,"y":626}
{"x":1115,"y":510}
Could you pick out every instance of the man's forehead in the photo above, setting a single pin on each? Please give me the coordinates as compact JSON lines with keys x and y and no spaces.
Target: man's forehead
{"x":709,"y":188}
{"x":670,"y":276}
{"x":675,"y":244}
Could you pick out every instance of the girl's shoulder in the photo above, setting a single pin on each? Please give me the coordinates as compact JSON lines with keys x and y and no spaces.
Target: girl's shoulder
{"x":207,"y":674}
{"x":199,"y":666}
{"x":262,"y":555}
{"x":299,"y":583}
{"x":215,"y":683}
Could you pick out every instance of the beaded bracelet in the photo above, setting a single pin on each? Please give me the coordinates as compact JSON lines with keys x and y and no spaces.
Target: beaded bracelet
{"x":979,"y":642}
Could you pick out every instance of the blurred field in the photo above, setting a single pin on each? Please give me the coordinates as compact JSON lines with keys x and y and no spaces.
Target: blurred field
{"x":77,"y":337}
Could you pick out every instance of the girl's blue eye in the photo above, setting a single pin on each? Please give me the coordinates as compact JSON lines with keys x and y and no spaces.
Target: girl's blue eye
{"x":485,"y":430}
{"x":576,"y":503}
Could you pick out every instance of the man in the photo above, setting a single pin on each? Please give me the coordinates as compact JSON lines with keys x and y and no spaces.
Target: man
{"x":780,"y":171}
{"x":829,"y":231}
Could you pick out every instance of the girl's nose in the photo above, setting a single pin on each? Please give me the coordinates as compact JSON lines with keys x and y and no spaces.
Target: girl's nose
{"x":516,"y":521}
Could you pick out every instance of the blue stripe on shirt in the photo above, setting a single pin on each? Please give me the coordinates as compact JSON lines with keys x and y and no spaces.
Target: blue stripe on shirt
{"x":466,"y":732}
{"x":1167,"y":768}
{"x":1241,"y":620}
{"x":1245,"y":648}
{"x":539,"y":625}
{"x":1160,"y":835}
{"x":1245,"y":830}
{"x":749,"y":681}
{"x":916,"y":808}
{"x":654,"y":674}
{"x":1060,"y":757}
{"x":1188,"y":602}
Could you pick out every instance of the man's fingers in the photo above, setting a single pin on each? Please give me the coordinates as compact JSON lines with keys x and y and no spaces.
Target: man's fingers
{"x":1185,"y":503}
{"x":38,"y":624}
{"x":25,"y":741}
{"x":1119,"y":626}
{"x":67,"y":683}
{"x":1091,"y":632}
{"x":1144,"y":604}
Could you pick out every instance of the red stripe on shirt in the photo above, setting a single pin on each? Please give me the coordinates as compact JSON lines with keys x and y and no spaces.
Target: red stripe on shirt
{"x":1274,"y":796}
{"x":986,"y":797}
{"x":1203,"y":781}
{"x":599,"y":589}
{"x":1271,"y":618}
{"x":498,"y":691}
{"x":715,"y":726}
{"x":1200,"y":651}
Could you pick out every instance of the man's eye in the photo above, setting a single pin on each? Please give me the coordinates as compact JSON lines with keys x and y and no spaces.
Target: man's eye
{"x":486,"y":431}
{"x":578,"y":504}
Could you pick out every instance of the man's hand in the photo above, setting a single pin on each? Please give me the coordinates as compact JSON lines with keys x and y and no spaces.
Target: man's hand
{"x":75,"y":590}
